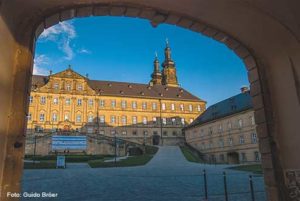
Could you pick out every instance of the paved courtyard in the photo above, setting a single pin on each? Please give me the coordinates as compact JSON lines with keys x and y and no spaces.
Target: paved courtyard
{"x":168,"y":176}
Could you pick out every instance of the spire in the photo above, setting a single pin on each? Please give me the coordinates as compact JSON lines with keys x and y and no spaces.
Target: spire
{"x":167,"y":51}
{"x":156,"y":64}
{"x":156,"y":75}
{"x":169,"y":76}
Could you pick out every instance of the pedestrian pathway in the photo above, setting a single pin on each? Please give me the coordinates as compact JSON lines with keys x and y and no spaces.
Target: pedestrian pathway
{"x":168,"y":176}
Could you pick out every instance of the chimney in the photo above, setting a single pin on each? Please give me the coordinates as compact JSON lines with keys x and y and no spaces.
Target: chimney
{"x":244,"y":89}
{"x":50,"y":72}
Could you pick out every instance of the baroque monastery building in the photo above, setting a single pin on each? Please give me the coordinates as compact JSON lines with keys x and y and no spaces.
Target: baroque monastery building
{"x":154,"y":113}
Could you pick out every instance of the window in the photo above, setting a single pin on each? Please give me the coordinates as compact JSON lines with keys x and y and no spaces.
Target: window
{"x":145,"y":133}
{"x":230,"y":141}
{"x":182,"y":121}
{"x":42,"y":117}
{"x":56,"y":86}
{"x":79,"y":87}
{"x":124,"y":120}
{"x":154,"y":119}
{"x":221,"y":143}
{"x":252,"y":120}
{"x":198,"y":108}
{"x":134,"y":132}
{"x":90,"y":130}
{"x":154,"y":106}
{"x":134,"y":120}
{"x":102,"y":119}
{"x":181,"y":107}
{"x":210,"y":130}
{"x":229,"y":126}
{"x":55,"y":101}
{"x":190,"y":108}
{"x":43,"y":100}
{"x":220,"y":128}
{"x":29,"y":117}
{"x":54,"y":117}
{"x":79,"y":102}
{"x":163,"y":106}
{"x":144,"y":105}
{"x":165,"y":133}
{"x":242,"y":140}
{"x":113,"y":103}
{"x":256,"y":156}
{"x":68,"y":101}
{"x":174,"y":133}
{"x":134,"y":105}
{"x":240,"y":122}
{"x":124,"y":132}
{"x":101,"y":132}
{"x":68,"y":87}
{"x":221,"y":157}
{"x":145,"y":120}
{"x":66,"y":117}
{"x":90,"y":118}
{"x":123,"y":104}
{"x":91,"y":102}
{"x":173,"y":121}
{"x":243,"y":157}
{"x":254,"y":138}
{"x":30,"y":99}
{"x":172,"y":106}
{"x":113,"y":119}
{"x":164,"y":120}
{"x":78,"y":118}
{"x":113,"y":132}
{"x":101,"y":103}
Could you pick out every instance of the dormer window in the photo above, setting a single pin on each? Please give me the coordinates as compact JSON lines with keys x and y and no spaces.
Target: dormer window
{"x":68,"y":87}
{"x":56,"y":86}
{"x":79,"y":87}
{"x":130,"y":86}
{"x":109,"y":84}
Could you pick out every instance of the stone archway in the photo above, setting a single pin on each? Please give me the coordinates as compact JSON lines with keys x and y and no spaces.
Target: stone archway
{"x":264,"y":35}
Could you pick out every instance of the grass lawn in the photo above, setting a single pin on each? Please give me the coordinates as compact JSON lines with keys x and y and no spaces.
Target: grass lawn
{"x":130,"y":161}
{"x":254,"y":168}
{"x":40,"y":165}
{"x":189,"y":155}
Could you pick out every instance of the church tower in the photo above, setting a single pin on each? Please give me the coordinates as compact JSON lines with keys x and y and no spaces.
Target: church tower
{"x":169,"y":77}
{"x":156,"y":75}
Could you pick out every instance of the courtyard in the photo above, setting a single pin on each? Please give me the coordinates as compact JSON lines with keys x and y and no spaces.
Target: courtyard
{"x":168,"y":176}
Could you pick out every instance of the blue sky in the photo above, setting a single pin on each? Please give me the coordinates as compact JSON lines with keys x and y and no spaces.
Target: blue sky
{"x":123,"y":49}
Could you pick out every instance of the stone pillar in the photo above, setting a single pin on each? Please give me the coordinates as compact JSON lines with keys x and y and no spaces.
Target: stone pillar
{"x":16,"y":61}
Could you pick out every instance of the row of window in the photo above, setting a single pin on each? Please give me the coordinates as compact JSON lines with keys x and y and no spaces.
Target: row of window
{"x":239,"y":123}
{"x":68,"y":87}
{"x":242,"y":157}
{"x":114,"y":132}
{"x":230,"y":142}
{"x":113,"y":119}
{"x":123,"y":104}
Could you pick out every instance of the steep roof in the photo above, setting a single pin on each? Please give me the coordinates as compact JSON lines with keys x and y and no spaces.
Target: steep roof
{"x":126,"y":89}
{"x":230,"y":106}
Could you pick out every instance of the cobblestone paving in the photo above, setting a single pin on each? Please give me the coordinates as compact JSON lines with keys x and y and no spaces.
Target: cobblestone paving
{"x":168,"y":176}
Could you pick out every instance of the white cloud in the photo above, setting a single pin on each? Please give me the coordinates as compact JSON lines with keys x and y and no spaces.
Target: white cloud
{"x":63,"y":34}
{"x":84,"y":51}
{"x":39,"y":65}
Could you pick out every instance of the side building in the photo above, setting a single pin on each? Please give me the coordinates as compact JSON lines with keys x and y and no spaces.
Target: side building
{"x":226,"y":131}
{"x":154,"y":113}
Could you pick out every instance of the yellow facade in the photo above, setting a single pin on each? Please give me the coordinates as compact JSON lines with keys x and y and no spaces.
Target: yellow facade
{"x":67,"y":102}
